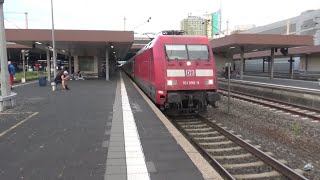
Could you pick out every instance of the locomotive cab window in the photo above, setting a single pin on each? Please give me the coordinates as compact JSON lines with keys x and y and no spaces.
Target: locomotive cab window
{"x":198,"y":52}
{"x":176,"y":52}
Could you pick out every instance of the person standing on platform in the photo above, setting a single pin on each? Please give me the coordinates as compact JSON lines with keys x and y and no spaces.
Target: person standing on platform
{"x":12,"y":72}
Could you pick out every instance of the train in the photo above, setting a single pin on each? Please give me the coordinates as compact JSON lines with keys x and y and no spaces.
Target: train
{"x":177,"y":72}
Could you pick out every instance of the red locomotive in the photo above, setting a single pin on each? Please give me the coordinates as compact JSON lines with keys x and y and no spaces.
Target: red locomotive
{"x":177,"y":72}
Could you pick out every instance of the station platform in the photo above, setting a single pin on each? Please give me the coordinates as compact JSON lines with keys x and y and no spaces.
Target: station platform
{"x":283,"y":82}
{"x":97,"y":130}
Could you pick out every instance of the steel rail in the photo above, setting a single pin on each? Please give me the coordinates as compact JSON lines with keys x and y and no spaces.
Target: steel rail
{"x":222,"y":171}
{"x":283,"y":169}
{"x":312,"y":116}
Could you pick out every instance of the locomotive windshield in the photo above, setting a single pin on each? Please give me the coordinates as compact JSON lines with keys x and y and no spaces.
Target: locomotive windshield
{"x":175,"y":52}
{"x":187,"y":52}
{"x":198,"y":52}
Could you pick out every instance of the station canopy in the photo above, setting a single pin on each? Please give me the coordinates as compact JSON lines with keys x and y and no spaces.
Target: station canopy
{"x":74,"y":42}
{"x":247,"y":43}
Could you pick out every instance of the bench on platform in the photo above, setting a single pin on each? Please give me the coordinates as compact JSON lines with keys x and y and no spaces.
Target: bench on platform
{"x":6,"y":101}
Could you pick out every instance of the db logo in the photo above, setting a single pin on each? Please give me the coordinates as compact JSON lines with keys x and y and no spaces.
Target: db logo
{"x":189,"y":72}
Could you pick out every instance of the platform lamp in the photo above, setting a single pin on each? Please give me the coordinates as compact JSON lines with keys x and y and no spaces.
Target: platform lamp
{"x":24,"y":53}
{"x":54,"y":56}
{"x":5,"y":88}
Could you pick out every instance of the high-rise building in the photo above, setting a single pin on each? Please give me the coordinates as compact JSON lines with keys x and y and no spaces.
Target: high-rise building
{"x":209,"y":25}
{"x":213,"y":21}
{"x":194,"y":25}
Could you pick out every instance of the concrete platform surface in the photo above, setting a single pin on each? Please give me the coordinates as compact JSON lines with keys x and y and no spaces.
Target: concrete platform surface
{"x":97,"y":130}
{"x":284,"y":82}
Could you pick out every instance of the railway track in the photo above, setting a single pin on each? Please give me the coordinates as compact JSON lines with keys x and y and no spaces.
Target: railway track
{"x":313,"y":114}
{"x":231,"y":156}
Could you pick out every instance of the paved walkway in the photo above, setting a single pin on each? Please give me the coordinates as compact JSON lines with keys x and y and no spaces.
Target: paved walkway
{"x":88,"y":133}
{"x":285,"y":82}
{"x":60,"y":133}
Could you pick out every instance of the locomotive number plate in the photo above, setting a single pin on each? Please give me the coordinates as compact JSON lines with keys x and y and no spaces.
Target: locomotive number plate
{"x":190,"y":73}
{"x":190,"y":82}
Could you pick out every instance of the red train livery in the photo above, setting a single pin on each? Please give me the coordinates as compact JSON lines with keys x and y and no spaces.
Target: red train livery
{"x":177,"y":72}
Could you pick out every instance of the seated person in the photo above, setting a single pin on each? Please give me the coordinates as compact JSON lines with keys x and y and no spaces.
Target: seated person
{"x":62,"y":77}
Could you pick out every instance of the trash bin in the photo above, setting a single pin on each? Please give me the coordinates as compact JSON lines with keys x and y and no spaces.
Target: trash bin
{"x":43,"y":81}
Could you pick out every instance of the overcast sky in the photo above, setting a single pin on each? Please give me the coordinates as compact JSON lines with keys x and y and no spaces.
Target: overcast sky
{"x":165,"y":14}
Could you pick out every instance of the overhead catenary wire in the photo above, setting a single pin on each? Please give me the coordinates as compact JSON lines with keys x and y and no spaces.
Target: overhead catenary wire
{"x":14,"y":12}
{"x":148,"y":20}
{"x":26,"y":17}
{"x":12,"y":23}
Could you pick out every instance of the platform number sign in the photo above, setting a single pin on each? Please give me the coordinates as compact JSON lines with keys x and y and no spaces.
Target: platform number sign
{"x":190,"y":73}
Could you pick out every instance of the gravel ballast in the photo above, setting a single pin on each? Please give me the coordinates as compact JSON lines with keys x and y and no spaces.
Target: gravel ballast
{"x":291,"y":138}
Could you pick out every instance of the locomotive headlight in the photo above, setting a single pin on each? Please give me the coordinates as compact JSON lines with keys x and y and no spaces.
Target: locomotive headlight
{"x":172,"y":82}
{"x":210,"y":81}
{"x":188,"y":63}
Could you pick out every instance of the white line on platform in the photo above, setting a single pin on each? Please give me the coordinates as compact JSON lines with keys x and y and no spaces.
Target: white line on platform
{"x":23,"y":84}
{"x":18,"y":124}
{"x":7,"y":113}
{"x":204,"y":167}
{"x":136,"y":166}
